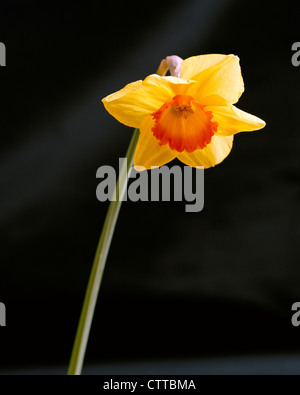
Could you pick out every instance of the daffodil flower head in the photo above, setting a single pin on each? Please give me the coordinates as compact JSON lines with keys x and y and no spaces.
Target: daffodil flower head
{"x":189,"y":115}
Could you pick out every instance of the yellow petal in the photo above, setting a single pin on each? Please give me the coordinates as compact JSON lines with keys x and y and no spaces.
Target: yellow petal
{"x":211,"y":155}
{"x":148,"y":152}
{"x":232,"y":120}
{"x":172,"y":86}
{"x":223,"y":78}
{"x":212,"y":100}
{"x":192,"y":66}
{"x":135,"y":101}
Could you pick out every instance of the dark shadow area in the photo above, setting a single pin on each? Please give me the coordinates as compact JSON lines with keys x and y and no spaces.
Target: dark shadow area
{"x":220,"y":282}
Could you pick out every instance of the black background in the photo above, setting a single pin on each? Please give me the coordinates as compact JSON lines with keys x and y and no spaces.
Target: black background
{"x":177,"y":285}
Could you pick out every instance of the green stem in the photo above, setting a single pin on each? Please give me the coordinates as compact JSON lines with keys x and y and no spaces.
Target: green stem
{"x":92,"y":291}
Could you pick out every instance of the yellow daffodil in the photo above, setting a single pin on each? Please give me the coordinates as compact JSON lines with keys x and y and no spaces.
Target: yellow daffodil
{"x":190,"y":117}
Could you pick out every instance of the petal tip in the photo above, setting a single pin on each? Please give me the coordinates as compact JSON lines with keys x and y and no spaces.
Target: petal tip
{"x":139,"y":168}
